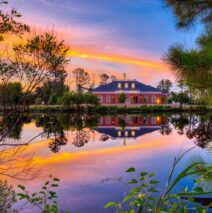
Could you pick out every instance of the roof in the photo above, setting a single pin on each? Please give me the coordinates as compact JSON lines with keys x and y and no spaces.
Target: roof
{"x":113,"y":86}
{"x":114,"y":132}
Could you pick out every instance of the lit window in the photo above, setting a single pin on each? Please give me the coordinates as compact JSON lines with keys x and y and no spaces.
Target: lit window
{"x":107,"y":120}
{"x":126,"y":134}
{"x":126,"y":85}
{"x":133,"y":85}
{"x":119,"y":133}
{"x":153,"y":99}
{"x":100,"y":98}
{"x":108,"y":99}
{"x":133,"y":133}
{"x":119,"y":85}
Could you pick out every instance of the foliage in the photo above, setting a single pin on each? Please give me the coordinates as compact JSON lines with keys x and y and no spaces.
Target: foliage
{"x":79,"y":98}
{"x":145,"y":195}
{"x":122,"y":98}
{"x":181,"y":97}
{"x":105,"y":78}
{"x":82,"y":79}
{"x":52,"y":89}
{"x":164,"y":85}
{"x":7,"y":196}
{"x":45,"y":199}
{"x":10,"y":94}
{"x":193,"y":65}
{"x":188,"y":12}
{"x":9,"y":23}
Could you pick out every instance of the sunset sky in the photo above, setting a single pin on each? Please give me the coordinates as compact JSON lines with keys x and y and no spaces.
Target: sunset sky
{"x":111,"y":36}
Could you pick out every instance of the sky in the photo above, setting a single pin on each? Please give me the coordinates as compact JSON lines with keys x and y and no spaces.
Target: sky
{"x":110,"y":36}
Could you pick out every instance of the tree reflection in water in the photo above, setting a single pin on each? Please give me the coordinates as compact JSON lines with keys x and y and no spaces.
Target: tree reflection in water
{"x":196,"y":127}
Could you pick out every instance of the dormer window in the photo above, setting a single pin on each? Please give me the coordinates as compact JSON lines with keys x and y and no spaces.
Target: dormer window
{"x":119,"y":85}
{"x":126,"y":85}
{"x":133,"y":85}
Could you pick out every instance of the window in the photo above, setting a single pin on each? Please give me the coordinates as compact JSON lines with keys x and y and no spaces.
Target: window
{"x":100,"y":98}
{"x":119,"y":85}
{"x":153,"y":99}
{"x":133,"y":85}
{"x":128,"y":100}
{"x":108,"y":99}
{"x":145,"y":99}
{"x":153,"y":120}
{"x":107,"y":120}
{"x":100,"y":120}
{"x":126,"y":85}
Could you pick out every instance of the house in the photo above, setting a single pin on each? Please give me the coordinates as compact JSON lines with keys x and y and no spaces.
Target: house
{"x":135,"y":92}
{"x":129,"y":126}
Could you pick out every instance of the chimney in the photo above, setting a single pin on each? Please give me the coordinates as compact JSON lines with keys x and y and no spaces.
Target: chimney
{"x":124,"y":75}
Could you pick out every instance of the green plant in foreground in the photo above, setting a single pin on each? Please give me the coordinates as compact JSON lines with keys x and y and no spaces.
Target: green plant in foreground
{"x":145,"y":196}
{"x":45,"y":200}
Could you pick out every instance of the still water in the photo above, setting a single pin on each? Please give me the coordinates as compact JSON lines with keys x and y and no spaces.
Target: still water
{"x":90,"y":153}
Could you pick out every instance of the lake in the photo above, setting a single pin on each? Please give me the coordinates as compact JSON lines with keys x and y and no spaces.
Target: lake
{"x":90,"y":153}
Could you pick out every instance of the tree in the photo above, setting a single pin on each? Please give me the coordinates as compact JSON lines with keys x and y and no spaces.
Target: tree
{"x":10,"y":94}
{"x":9,"y":24}
{"x":113,"y":78}
{"x":7,"y":196}
{"x":193,"y":65}
{"x":104,"y":79}
{"x":164,"y":85}
{"x":122,"y":98}
{"x":181,"y":97}
{"x":188,"y":12}
{"x":38,"y":59}
{"x":82,"y":79}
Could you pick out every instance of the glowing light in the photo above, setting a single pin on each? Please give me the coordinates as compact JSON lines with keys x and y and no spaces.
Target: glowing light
{"x":158,"y":118}
{"x":158,"y":101}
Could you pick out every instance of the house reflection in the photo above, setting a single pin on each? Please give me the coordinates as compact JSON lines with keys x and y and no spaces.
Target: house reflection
{"x":129,"y":126}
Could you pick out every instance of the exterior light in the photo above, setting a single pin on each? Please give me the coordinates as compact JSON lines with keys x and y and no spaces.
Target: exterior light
{"x":158,"y":118}
{"x":133,"y":133}
{"x":126,"y":134}
{"x":119,"y":133}
{"x":119,"y":85}
{"x":158,"y":101}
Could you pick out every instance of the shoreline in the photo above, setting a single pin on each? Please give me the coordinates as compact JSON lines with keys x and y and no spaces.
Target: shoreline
{"x":114,"y":109}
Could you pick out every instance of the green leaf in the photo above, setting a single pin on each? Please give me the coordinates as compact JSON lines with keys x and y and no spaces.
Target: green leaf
{"x":142,"y":174}
{"x":21,"y":187}
{"x":133,"y":181}
{"x":151,"y":174}
{"x":154,"y":182}
{"x":129,"y":197}
{"x":47,"y":182}
{"x":131,"y":169}
{"x":56,"y":179}
{"x":198,"y":189}
{"x":201,"y":209}
{"x":110,"y":204}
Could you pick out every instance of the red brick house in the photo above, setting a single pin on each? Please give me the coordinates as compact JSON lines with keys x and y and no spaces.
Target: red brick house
{"x":135,"y":92}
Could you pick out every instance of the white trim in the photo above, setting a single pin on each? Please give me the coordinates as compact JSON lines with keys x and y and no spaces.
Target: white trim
{"x":126,"y":92}
{"x":128,"y":127}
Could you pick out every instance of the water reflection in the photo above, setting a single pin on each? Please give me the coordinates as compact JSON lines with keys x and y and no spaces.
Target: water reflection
{"x":55,"y":126}
{"x":84,"y":149}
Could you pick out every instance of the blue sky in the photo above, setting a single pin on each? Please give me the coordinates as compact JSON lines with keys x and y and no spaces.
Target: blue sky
{"x":111,"y":36}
